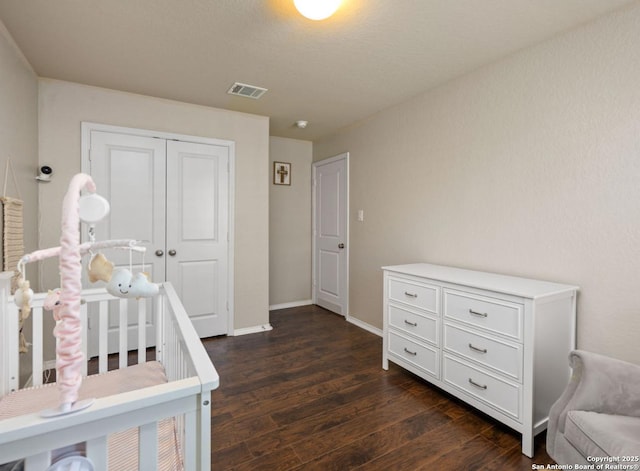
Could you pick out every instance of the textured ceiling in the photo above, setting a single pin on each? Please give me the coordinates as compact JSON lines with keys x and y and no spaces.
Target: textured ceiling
{"x":372,"y":54}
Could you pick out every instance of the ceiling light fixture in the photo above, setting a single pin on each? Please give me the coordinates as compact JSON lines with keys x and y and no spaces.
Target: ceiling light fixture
{"x":301,"y":124}
{"x":317,"y":9}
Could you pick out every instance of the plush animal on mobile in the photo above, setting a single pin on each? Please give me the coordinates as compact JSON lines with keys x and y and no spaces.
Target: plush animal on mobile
{"x":22,"y":298}
{"x":99,"y":269}
{"x":52,"y":303}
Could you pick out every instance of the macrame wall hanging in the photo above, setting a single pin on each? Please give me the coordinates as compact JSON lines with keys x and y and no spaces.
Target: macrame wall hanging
{"x":13,"y":240}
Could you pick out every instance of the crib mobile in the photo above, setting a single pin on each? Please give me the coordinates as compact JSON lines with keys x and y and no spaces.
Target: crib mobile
{"x":65,"y":302}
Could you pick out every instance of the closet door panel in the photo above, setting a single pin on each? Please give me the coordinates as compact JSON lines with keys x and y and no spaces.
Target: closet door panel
{"x":197,"y":231}
{"x":199,"y":185}
{"x":198,"y":283}
{"x":129,"y":171}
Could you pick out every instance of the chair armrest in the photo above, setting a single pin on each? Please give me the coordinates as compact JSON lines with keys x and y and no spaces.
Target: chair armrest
{"x":599,"y":384}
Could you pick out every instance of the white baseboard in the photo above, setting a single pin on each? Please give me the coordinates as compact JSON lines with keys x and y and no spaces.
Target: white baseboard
{"x":364,"y":325}
{"x":306,"y":302}
{"x":252,"y":330}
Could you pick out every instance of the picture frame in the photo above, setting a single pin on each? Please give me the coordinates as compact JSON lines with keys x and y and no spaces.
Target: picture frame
{"x":281,"y":173}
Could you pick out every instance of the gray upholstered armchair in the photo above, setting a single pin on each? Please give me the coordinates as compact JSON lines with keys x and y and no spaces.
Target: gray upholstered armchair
{"x":598,"y":415}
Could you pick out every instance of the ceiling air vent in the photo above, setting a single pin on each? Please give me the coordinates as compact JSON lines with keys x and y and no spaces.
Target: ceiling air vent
{"x":248,"y":91}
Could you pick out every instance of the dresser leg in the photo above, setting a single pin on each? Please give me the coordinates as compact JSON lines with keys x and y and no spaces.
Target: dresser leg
{"x":385,"y":363}
{"x":528,"y":443}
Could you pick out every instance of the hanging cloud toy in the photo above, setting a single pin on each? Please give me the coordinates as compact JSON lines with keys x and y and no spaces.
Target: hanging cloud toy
{"x":125,"y":285}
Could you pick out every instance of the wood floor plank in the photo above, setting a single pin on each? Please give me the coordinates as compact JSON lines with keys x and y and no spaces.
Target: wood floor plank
{"x":311,"y":394}
{"x":393,"y":410}
{"x":379,"y":443}
{"x":471,"y":455}
{"x":256,"y":402}
{"x":353,"y":394}
{"x":226,"y":458}
{"x":323,"y":421}
{"x":279,"y":460}
{"x":426,"y":449}
{"x":240,"y":430}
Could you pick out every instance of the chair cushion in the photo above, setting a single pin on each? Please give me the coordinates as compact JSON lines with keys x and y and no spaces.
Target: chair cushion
{"x":595,"y":434}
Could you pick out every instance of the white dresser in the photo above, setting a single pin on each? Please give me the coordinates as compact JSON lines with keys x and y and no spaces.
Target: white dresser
{"x":498,"y":342}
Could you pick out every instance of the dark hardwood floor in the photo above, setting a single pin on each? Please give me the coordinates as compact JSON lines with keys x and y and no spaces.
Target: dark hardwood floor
{"x":312,"y":395}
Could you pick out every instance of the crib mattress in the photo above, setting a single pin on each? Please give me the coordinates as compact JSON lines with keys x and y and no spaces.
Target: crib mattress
{"x":123,"y":446}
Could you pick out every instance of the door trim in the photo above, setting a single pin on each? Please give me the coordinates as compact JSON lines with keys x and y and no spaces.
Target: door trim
{"x":344,"y":156}
{"x":85,"y":167}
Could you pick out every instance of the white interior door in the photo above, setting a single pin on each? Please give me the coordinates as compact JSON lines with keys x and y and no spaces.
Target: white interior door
{"x":174,"y":196}
{"x":129,"y":171}
{"x":331,"y":234}
{"x":197,"y":231}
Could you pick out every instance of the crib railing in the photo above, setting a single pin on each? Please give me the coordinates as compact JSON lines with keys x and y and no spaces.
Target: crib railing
{"x":186,"y":397}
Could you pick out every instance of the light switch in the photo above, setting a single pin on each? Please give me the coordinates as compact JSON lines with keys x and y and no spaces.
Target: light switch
{"x":361,"y":215}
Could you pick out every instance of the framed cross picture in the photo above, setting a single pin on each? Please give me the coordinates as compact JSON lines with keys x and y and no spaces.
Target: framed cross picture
{"x":281,"y":173}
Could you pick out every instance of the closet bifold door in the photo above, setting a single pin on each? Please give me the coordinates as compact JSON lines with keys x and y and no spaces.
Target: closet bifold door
{"x":130,"y":172}
{"x":197,"y":231}
{"x":173,"y":195}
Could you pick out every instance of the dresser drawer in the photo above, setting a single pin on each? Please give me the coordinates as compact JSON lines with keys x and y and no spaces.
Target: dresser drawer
{"x":424,"y":327}
{"x":494,"y":315}
{"x":421,"y":356}
{"x":501,"y":356}
{"x":416,"y":294}
{"x":483,"y":386}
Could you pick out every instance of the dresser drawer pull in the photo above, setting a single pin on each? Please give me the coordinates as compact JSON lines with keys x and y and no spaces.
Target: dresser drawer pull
{"x":412,"y":324}
{"x":411,"y":295}
{"x":481,"y":386}
{"x":410,"y":352}
{"x":476,"y":349}
{"x":476,"y":313}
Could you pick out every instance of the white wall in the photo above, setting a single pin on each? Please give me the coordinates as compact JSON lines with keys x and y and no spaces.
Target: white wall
{"x":290,"y":224}
{"x":19,"y":135}
{"x":63,"y":106}
{"x":19,"y":142}
{"x":529,"y":166}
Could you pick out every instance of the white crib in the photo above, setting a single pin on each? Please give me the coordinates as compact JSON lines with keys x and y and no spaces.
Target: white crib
{"x":165,"y":424}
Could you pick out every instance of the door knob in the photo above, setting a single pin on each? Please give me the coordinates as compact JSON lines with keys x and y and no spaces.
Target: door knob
{"x":172,"y":252}
{"x":159,"y":253}
{"x":341,"y":246}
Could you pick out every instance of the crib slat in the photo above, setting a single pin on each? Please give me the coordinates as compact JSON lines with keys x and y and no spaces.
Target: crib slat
{"x":190,"y":441}
{"x":142,"y":330}
{"x":148,"y":446}
{"x":83,"y":323}
{"x":38,"y":462}
{"x":12,"y":342}
{"x":103,"y":327}
{"x":97,"y":452}
{"x":204,"y":432}
{"x":37,"y":346}
{"x":160,"y":329}
{"x":122,"y":325}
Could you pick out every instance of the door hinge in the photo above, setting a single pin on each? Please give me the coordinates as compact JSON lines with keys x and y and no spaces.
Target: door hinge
{"x":227,"y":305}
{"x":89,"y":154}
